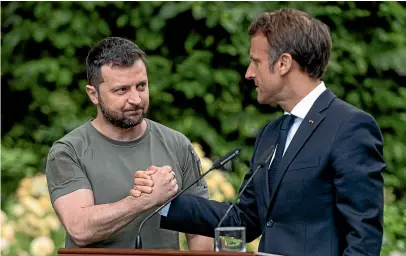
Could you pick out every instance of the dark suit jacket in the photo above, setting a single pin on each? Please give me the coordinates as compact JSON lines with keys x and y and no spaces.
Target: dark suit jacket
{"x":328,"y":197}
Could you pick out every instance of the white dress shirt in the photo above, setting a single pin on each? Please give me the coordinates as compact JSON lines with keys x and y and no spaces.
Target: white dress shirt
{"x":300,"y":111}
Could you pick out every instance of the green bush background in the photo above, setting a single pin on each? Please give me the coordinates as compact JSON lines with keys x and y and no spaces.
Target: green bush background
{"x":198,"y":54}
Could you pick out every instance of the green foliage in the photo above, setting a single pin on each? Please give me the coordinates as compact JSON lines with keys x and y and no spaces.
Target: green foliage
{"x":198,"y":53}
{"x":395,"y":223}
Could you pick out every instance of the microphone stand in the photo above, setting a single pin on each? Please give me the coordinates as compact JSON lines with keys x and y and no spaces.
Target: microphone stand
{"x":260,"y":165}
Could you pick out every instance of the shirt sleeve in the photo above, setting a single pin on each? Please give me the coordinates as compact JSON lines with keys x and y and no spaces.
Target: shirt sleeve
{"x":63,"y":172}
{"x":191,"y":172}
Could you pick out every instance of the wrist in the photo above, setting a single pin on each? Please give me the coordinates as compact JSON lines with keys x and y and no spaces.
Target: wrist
{"x":140,"y":203}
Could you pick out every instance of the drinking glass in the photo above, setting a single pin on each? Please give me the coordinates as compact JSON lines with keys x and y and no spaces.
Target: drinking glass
{"x":229,"y":239}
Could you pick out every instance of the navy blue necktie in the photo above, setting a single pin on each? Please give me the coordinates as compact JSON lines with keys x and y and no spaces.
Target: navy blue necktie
{"x":287,"y":121}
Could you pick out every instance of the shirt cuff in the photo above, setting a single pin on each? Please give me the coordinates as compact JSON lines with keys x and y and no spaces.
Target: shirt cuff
{"x":164,"y":211}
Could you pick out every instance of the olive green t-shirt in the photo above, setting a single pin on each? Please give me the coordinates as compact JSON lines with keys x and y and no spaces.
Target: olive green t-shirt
{"x":86,"y":159}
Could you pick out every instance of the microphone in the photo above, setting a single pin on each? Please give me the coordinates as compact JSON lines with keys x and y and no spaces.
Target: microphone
{"x":223,"y":160}
{"x":217,"y":164}
{"x":261,"y":164}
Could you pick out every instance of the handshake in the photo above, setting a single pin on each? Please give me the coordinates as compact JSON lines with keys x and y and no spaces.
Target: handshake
{"x":157,"y":183}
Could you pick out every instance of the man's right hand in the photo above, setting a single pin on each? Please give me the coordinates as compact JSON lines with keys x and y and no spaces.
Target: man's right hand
{"x":143,"y":181}
{"x":160,"y":183}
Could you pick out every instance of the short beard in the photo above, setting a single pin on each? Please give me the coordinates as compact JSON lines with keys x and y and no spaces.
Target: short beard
{"x":120,"y":122}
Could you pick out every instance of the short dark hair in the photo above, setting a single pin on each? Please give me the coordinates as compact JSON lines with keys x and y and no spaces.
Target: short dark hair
{"x":113,"y":51}
{"x":297,"y":33}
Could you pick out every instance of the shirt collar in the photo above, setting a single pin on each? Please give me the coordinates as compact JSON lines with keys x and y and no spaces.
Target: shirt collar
{"x":303,"y":107}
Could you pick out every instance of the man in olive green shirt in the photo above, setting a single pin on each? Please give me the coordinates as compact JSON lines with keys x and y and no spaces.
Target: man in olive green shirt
{"x":90,"y":171}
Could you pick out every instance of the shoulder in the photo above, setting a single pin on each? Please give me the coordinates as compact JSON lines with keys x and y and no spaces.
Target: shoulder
{"x":352,"y":126}
{"x":73,"y":143}
{"x":344,"y":113}
{"x":168,"y":135}
{"x":176,"y":142}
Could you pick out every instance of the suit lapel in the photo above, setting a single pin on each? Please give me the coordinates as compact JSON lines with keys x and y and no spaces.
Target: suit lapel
{"x":309,"y":124}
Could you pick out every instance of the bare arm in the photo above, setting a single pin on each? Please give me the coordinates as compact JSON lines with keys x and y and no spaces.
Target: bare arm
{"x":199,"y":243}
{"x":87,"y":223}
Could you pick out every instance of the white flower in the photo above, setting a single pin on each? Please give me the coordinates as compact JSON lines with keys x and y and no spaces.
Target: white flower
{"x":42,"y":246}
{"x":3,"y":217}
{"x":52,"y":222}
{"x":21,"y":252}
{"x":218,"y":197}
{"x":45,"y":204}
{"x":26,"y":182}
{"x":39,"y":186}
{"x":33,"y":205}
{"x":199,"y":151}
{"x":214,"y":179}
{"x":7,"y":232}
{"x":35,"y":226}
{"x":4,"y":245}
{"x":18,"y":210}
{"x":397,"y":254}
{"x":206,"y":163}
{"x":227,"y":189}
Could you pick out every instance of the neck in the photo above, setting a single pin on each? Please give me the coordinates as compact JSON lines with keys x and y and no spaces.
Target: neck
{"x":119,"y":134}
{"x":296,"y":91}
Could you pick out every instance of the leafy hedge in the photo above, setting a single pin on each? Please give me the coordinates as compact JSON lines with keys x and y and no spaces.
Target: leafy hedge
{"x":198,"y":53}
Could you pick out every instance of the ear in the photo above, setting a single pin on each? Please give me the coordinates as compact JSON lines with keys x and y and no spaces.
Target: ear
{"x":92,"y":93}
{"x":285,"y":63}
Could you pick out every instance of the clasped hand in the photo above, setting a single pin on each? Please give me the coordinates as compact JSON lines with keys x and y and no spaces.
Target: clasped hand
{"x":157,"y":182}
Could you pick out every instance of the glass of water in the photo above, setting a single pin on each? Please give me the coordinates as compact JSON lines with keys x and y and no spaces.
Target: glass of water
{"x":229,"y":239}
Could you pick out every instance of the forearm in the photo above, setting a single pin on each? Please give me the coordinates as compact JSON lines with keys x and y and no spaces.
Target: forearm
{"x":194,"y":215}
{"x":362,"y":210}
{"x":363,"y":221}
{"x":199,"y":243}
{"x":97,"y":222}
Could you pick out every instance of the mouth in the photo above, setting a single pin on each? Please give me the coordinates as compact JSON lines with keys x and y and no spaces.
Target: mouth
{"x":133,"y":111}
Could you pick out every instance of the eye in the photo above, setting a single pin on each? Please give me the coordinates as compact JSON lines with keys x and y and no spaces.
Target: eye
{"x":141,"y":86}
{"x":254,"y":61}
{"x":121,"y":90}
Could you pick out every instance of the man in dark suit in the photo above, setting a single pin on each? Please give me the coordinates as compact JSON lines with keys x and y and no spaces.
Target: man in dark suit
{"x":322,"y":193}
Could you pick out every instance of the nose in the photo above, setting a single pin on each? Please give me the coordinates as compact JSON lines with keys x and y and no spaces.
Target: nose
{"x":250,"y":74}
{"x":134,"y":97}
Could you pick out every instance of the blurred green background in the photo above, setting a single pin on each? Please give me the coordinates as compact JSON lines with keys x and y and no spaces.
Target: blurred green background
{"x":198,"y":54}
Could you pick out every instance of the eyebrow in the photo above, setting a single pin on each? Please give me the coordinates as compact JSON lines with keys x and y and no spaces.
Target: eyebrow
{"x":142,"y":82}
{"x":128,"y":85}
{"x":253,"y":58}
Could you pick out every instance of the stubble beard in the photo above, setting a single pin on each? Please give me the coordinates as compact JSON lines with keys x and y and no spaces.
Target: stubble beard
{"x":120,"y":121}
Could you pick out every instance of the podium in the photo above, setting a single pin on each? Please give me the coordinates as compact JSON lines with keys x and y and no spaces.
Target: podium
{"x":146,"y":252}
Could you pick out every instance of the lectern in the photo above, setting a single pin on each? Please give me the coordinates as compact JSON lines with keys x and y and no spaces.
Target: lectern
{"x":142,"y":252}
